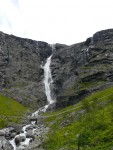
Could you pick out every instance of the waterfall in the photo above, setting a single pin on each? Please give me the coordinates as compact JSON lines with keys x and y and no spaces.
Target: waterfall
{"x":48,"y":80}
{"x":47,"y":83}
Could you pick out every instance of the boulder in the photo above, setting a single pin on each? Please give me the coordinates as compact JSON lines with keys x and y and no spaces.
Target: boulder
{"x":20,"y":147}
{"x":19,"y":138}
{"x":4,"y":144}
{"x":30,"y":134}
{"x":2,"y":133}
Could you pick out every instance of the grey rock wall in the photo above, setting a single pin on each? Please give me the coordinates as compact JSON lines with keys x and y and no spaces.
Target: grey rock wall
{"x":81,"y":69}
{"x":77,"y":70}
{"x":21,"y":76}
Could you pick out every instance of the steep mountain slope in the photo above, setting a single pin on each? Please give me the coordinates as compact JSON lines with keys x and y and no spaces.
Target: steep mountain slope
{"x":21,"y":76}
{"x":79,"y":70}
{"x":87,"y":125}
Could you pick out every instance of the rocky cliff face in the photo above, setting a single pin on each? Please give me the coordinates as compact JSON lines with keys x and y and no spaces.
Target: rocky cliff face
{"x":77,"y":70}
{"x":21,"y":76}
{"x":81,"y":69}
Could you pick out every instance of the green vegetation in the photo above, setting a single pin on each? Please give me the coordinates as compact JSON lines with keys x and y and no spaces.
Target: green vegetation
{"x":10,"y":111}
{"x":85,"y":126}
{"x":82,"y":86}
{"x":87,"y":85}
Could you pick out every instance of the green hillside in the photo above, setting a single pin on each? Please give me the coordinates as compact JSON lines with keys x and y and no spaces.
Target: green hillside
{"x":85,"y":126}
{"x":10,"y":111}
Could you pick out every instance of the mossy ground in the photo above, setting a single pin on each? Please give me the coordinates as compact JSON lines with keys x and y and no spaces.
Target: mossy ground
{"x":10,"y":111}
{"x":85,"y":126}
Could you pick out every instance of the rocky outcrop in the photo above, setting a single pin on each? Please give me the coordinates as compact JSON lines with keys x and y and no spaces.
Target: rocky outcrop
{"x":21,"y":75}
{"x":81,"y":69}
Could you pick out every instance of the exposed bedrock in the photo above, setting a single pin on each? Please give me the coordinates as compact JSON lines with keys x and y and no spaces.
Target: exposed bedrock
{"x":21,"y":75}
{"x":83,"y":68}
{"x":77,"y":70}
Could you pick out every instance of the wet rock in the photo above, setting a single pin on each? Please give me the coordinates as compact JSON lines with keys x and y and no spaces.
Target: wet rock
{"x":19,"y":138}
{"x":2,"y":133}
{"x":20,"y":148}
{"x":4,"y":144}
{"x":31,"y":127}
{"x":33,"y":119}
{"x":30,"y":134}
{"x":13,"y":135}
{"x":8,"y":130}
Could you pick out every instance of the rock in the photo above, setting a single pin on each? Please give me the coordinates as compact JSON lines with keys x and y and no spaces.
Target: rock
{"x":31,"y":127}
{"x":30,"y":134}
{"x":0,"y":145}
{"x":4,"y":144}
{"x":20,"y":72}
{"x":20,"y":148}
{"x":2,"y":133}
{"x":75,"y":68}
{"x":19,"y":138}
{"x":17,"y":129}
{"x":32,"y":119}
{"x":13,"y":135}
{"x":103,"y":35}
{"x":8,"y":130}
{"x":88,"y":41}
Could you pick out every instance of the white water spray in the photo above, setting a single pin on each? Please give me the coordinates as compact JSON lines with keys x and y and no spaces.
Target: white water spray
{"x":26,"y":142}
{"x":48,"y":80}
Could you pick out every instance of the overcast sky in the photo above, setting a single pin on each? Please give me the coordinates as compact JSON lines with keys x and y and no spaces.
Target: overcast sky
{"x":55,"y":21}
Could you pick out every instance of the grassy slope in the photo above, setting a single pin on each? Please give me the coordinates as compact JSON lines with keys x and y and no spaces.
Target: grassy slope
{"x":88,"y":125}
{"x":9,"y":107}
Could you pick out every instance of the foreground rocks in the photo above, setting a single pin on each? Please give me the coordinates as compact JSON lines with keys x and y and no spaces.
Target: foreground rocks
{"x":36,"y":134}
{"x":4,"y":144}
{"x":4,"y":136}
{"x":19,"y":139}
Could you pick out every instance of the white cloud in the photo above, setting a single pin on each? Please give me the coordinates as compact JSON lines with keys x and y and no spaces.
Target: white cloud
{"x":63,"y":21}
{"x":11,"y":20}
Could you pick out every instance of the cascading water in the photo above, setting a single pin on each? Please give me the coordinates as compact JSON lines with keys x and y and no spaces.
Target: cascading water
{"x":47,"y":82}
